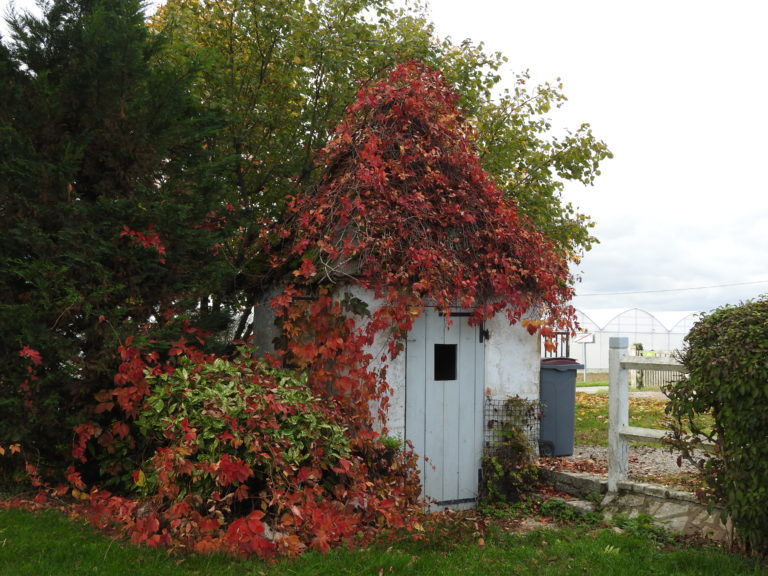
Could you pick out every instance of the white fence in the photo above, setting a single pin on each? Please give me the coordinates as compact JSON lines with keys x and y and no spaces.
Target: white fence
{"x":620,"y":433}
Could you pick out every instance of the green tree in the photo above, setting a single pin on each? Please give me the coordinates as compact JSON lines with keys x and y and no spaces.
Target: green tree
{"x":103,"y":204}
{"x":283,"y":71}
{"x":532,"y":166}
{"x":119,"y":204}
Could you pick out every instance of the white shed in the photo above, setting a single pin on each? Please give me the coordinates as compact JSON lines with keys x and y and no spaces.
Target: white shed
{"x":440,"y":385}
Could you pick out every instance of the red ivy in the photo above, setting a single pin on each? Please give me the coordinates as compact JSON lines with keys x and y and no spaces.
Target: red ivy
{"x":406,"y":208}
{"x":149,"y":239}
{"x":32,"y":354}
{"x":315,"y":505}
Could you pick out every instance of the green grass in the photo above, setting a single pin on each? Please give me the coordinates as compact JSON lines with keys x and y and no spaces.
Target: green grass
{"x":589,"y":384}
{"x":43,"y":544}
{"x":651,"y":382}
{"x":592,"y":417}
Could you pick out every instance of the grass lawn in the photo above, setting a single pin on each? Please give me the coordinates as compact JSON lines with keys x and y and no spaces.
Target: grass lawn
{"x":592,"y":416}
{"x":601,"y":379}
{"x":45,"y":543}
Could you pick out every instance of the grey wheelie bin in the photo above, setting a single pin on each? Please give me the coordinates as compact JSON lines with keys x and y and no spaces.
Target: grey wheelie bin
{"x":557,"y":394}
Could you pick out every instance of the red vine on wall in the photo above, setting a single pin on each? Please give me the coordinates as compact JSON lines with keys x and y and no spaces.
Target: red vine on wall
{"x":405,"y":210}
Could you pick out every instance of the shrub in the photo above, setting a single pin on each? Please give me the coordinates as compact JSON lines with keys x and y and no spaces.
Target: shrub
{"x":507,"y":465}
{"x":241,"y":424}
{"x":230,"y":454}
{"x":726,"y":355}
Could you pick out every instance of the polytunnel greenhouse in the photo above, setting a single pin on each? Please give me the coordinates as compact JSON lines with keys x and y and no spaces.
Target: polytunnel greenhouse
{"x":650,"y":333}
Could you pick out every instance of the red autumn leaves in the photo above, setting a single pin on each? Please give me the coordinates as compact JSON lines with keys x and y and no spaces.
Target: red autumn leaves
{"x":406,"y":209}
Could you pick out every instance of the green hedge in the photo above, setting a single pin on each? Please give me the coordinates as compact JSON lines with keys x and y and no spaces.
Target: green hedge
{"x":726,"y":354}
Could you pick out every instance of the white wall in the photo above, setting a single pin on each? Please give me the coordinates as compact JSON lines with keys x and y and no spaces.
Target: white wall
{"x":512,"y":360}
{"x":395,"y":368}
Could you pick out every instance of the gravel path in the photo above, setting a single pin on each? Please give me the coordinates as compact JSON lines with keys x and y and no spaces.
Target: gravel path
{"x":643,"y":460}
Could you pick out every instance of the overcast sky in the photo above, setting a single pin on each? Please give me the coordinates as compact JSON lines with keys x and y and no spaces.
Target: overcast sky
{"x":678,"y":91}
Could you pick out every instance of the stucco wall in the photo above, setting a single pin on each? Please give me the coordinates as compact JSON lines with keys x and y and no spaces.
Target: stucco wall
{"x":512,"y":359}
{"x":395,"y":368}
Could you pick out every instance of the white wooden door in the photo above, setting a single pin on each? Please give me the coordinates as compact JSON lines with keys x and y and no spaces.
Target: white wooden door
{"x":444,"y":405}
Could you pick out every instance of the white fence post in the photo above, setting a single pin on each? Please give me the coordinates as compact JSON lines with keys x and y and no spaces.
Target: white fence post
{"x":618,"y":412}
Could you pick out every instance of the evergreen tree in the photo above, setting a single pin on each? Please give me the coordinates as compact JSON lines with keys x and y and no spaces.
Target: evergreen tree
{"x":105,"y":209}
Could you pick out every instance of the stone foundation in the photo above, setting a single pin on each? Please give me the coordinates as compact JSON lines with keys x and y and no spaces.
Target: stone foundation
{"x":674,"y":510}
{"x":677,"y":511}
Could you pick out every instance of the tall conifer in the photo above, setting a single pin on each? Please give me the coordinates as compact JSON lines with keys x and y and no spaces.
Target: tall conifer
{"x":102,"y":231}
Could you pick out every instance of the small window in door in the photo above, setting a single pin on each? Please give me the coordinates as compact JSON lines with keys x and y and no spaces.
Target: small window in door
{"x":445,"y":361}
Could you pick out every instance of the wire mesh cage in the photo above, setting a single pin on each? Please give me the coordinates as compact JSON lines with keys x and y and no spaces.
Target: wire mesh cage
{"x":507,"y":416}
